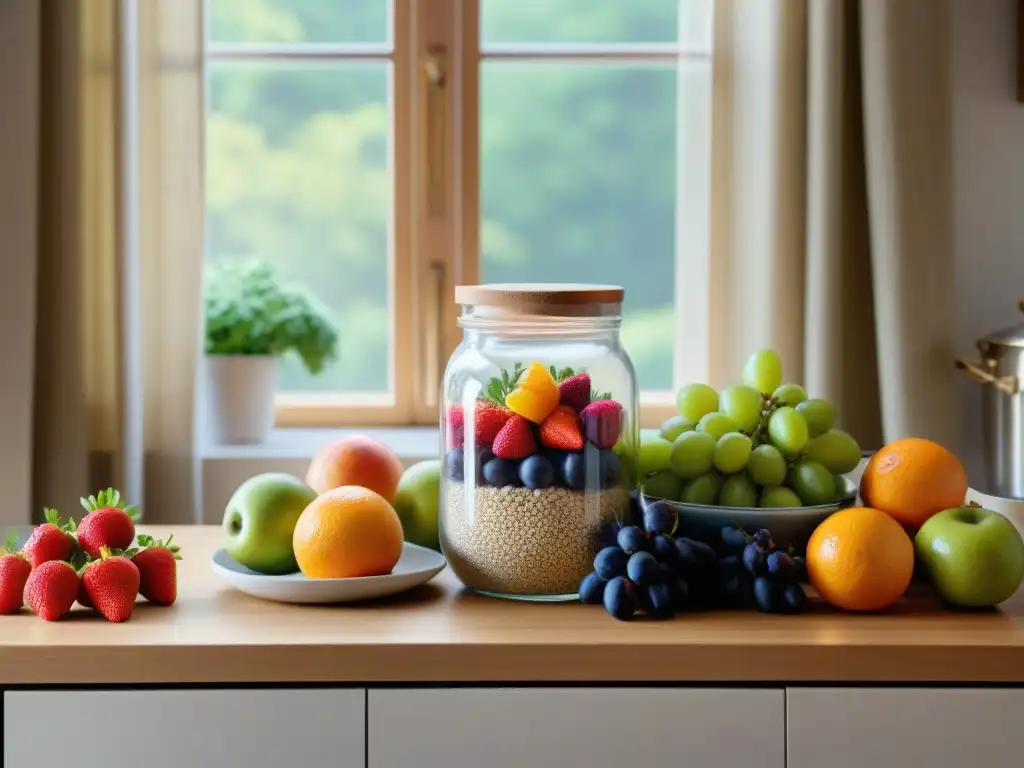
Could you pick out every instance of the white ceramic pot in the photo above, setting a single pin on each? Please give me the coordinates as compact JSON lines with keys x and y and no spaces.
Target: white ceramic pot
{"x":240,"y":397}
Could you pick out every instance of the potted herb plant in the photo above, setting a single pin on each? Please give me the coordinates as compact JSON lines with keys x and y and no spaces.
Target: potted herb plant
{"x":252,"y":319}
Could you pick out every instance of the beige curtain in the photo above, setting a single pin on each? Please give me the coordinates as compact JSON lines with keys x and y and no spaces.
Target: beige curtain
{"x":831,"y":206}
{"x":103,"y":388}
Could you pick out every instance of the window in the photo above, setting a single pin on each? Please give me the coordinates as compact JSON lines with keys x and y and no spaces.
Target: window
{"x":380,"y":152}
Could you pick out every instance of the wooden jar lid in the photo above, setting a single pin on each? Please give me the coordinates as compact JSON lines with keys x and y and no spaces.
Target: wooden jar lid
{"x":541,"y":298}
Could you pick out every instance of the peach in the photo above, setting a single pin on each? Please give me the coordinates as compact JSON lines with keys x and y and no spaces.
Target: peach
{"x":357,"y":460}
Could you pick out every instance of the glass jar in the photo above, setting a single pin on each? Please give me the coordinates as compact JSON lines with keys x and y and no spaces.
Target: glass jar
{"x":539,"y":435}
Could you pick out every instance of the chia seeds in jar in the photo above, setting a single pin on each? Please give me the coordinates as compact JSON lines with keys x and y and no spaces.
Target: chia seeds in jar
{"x":539,"y":436}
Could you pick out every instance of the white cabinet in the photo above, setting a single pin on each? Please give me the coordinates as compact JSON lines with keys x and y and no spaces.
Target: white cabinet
{"x":900,"y":727}
{"x":185,"y":729}
{"x":635,"y":727}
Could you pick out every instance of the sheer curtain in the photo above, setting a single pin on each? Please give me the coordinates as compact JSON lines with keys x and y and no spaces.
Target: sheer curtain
{"x":831,"y":205}
{"x":104,"y":263}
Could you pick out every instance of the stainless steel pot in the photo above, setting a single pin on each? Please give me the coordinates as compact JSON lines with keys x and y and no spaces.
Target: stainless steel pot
{"x":1001,"y":372}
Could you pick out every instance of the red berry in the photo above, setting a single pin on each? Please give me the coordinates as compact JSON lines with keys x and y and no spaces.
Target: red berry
{"x":575,"y":391}
{"x":52,"y":540}
{"x":51,"y":589}
{"x":455,"y":424}
{"x":158,"y":570}
{"x":602,"y":422}
{"x":107,"y":523}
{"x":112,"y":584}
{"x":561,"y":430}
{"x":489,"y":420}
{"x":515,"y":440}
{"x":14,"y":572}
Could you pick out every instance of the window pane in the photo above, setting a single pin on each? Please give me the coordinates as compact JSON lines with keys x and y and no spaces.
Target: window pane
{"x":300,"y":21}
{"x":298,"y":175}
{"x":578,"y":178}
{"x":582,"y":21}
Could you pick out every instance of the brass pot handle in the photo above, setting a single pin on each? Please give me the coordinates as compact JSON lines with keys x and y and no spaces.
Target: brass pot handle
{"x":1008,"y":385}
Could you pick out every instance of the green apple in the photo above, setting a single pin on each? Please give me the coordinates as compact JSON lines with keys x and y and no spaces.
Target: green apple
{"x":417,"y":500}
{"x":260,"y":518}
{"x":973,"y":556}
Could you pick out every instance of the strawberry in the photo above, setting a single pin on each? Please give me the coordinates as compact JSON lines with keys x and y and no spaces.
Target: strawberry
{"x":575,"y":391}
{"x":455,"y":424}
{"x":14,"y":571}
{"x":83,"y":596}
{"x":112,"y":584}
{"x":51,"y":589}
{"x":158,"y":570}
{"x":107,"y":524}
{"x":602,"y":422}
{"x":489,"y":420}
{"x":53,"y":540}
{"x":515,"y":440}
{"x":561,"y":430}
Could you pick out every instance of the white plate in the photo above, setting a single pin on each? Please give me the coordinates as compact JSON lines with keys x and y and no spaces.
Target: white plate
{"x":416,"y":566}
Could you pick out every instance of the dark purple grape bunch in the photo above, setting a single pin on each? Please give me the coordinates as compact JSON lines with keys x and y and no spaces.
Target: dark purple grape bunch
{"x":648,"y":570}
{"x":755,"y":573}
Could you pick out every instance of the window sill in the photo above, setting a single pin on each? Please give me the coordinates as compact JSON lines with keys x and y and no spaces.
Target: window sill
{"x":225,"y":467}
{"x":412,"y":444}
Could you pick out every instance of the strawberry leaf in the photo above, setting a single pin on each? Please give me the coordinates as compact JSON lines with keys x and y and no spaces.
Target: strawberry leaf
{"x":9,"y":544}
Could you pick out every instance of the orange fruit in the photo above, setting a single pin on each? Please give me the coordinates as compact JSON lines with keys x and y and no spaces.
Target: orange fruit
{"x":913,"y":479}
{"x":348,"y":531}
{"x":860,"y":559}
{"x":356,"y":460}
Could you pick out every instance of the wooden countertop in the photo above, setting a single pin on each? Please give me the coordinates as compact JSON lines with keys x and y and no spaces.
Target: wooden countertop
{"x":442,"y":633}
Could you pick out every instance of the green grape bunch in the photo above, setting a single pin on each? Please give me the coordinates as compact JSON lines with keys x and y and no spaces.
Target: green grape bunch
{"x":759,"y":442}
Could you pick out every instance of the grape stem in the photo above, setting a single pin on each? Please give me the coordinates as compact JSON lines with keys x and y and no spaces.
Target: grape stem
{"x":739,"y":528}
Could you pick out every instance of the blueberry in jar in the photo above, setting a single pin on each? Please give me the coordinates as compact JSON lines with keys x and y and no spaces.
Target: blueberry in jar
{"x":454,"y":465}
{"x":536,"y":472}
{"x":501,"y":472}
{"x":574,"y":471}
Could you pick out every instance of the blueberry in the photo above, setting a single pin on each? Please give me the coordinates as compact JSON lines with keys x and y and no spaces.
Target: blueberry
{"x":592,"y":589}
{"x":706,"y":556}
{"x":687,"y":559}
{"x":642,"y":569}
{"x":536,"y":472}
{"x":611,"y":468}
{"x":781,"y":564}
{"x":501,"y":472}
{"x":660,"y":518}
{"x":660,"y":600}
{"x":754,"y":559}
{"x":733,"y":538}
{"x":620,"y":598}
{"x":795,"y":597}
{"x":763,"y":539}
{"x":574,"y":471}
{"x":631,"y":539}
{"x":610,"y":562}
{"x":663,"y":550}
{"x":483,"y":455}
{"x":770,"y":595}
{"x":454,"y":465}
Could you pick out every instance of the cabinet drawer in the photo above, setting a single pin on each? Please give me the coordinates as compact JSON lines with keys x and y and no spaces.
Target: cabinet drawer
{"x":900,"y":727}
{"x":639,"y":728}
{"x":185,"y":729}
